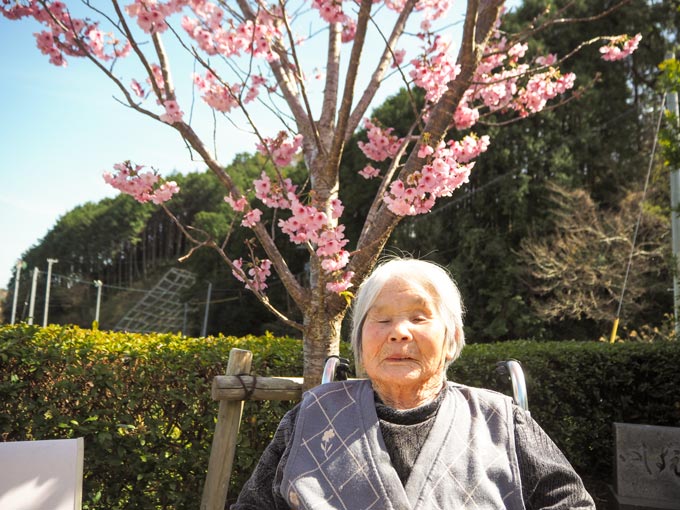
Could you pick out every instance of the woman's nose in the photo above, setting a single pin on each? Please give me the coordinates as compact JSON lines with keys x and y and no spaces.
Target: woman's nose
{"x":400,"y":331}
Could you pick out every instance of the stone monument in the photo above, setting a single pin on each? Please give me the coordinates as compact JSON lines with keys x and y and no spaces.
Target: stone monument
{"x":647,"y":467}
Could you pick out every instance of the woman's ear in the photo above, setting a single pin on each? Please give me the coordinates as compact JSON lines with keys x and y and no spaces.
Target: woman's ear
{"x":451,"y":349}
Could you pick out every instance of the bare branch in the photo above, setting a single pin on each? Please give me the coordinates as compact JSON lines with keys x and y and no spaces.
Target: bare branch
{"x":137,"y":50}
{"x":387,"y":179}
{"x":332,"y":82}
{"x":282,"y":71}
{"x":528,"y":34}
{"x":576,"y":95}
{"x":209,"y":242}
{"x":479,"y":20}
{"x":374,"y":83}
{"x":309,"y":124}
{"x":348,"y":93}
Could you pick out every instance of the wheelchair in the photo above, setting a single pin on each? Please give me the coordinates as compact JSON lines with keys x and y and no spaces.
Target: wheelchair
{"x":338,"y":369}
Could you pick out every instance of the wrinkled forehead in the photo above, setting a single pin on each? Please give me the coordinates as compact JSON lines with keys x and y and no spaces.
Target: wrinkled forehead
{"x":423,"y":292}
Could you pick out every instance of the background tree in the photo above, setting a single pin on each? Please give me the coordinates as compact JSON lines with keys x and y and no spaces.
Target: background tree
{"x":600,"y":143}
{"x":577,"y":272}
{"x":233,"y":43}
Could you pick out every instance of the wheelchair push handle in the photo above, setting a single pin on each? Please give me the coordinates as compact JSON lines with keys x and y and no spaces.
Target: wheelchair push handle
{"x":335,"y":369}
{"x":519,"y":386}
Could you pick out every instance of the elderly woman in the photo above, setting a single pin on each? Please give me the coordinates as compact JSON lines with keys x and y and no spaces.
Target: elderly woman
{"x":405,"y":438}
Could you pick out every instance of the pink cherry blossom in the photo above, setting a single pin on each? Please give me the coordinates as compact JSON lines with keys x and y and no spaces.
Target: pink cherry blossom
{"x":368,"y":172}
{"x":433,"y":9}
{"x":329,"y":10}
{"x":258,"y":274}
{"x":164,"y":192}
{"x":469,"y":147}
{"x":275,"y":195}
{"x":382,"y":144}
{"x":349,"y":29}
{"x":435,"y":69}
{"x":150,"y":15}
{"x":336,"y":262}
{"x":172,"y":112}
{"x":330,"y":240}
{"x":342,"y":284}
{"x":137,"y":88}
{"x":251,"y":218}
{"x":398,"y":58}
{"x":465,"y":117}
{"x":143,"y":186}
{"x":620,"y":47}
{"x":425,"y":151}
{"x":336,"y":208}
{"x":546,"y":60}
{"x":237,"y":205}
{"x":280,"y":148}
{"x":540,"y":89}
{"x":440,"y":178}
{"x":222,"y":98}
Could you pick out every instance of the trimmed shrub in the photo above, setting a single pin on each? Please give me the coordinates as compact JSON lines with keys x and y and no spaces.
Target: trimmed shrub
{"x":143,"y":405}
{"x":577,"y":390}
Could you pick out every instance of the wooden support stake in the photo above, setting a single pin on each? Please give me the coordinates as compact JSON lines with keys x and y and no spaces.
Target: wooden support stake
{"x":224,"y":441}
{"x":226,"y":387}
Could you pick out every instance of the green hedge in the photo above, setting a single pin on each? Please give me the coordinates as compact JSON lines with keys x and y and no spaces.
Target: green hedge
{"x":577,"y":390}
{"x":142,"y":402}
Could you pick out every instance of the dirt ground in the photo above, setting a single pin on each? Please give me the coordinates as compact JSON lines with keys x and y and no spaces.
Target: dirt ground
{"x":599,"y":490}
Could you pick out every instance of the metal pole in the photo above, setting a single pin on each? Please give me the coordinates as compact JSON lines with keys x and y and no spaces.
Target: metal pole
{"x":672,"y":107}
{"x":17,"y":276}
{"x":47,"y":289}
{"x":31,"y":308}
{"x":184,"y":319}
{"x":98,"y":284}
{"x":207,"y":307}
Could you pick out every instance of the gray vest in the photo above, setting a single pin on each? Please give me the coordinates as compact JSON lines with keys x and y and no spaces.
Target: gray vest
{"x":338,"y":459}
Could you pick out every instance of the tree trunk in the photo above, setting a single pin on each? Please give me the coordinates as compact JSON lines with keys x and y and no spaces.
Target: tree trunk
{"x":321,"y":339}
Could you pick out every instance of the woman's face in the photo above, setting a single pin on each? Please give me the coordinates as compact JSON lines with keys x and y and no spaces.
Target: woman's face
{"x":403,"y":338}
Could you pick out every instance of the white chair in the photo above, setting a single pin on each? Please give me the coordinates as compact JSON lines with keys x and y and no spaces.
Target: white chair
{"x":41,"y":475}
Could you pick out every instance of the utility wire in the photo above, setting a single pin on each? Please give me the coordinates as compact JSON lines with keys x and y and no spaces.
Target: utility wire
{"x":639,"y":220}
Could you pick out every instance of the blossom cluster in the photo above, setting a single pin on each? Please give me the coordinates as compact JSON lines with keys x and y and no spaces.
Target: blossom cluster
{"x":142,"y":186}
{"x":540,"y":89}
{"x":446,"y":171}
{"x":433,"y":9}
{"x":66,"y":35}
{"x":280,"y":149}
{"x":151,"y":14}
{"x":331,"y":12}
{"x":274,"y":195}
{"x":172,"y":112}
{"x":222,"y":98}
{"x":381,"y":145}
{"x":258,"y":274}
{"x":306,"y":224}
{"x":435,"y":69}
{"x":620,"y":47}
{"x":217,"y":37}
{"x":369,"y":172}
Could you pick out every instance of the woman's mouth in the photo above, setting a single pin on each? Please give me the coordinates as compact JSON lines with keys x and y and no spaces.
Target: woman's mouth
{"x":398,"y":357}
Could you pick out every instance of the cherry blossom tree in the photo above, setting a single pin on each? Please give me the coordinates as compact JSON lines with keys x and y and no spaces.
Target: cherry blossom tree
{"x":247,"y":52}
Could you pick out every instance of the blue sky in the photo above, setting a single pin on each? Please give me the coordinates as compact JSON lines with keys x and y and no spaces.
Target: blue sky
{"x":61,"y":129}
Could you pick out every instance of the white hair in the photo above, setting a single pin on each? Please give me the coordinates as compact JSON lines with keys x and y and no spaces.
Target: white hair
{"x":436,"y":280}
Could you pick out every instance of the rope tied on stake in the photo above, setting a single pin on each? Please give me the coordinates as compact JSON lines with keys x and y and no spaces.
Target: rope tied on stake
{"x":248,"y":391}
